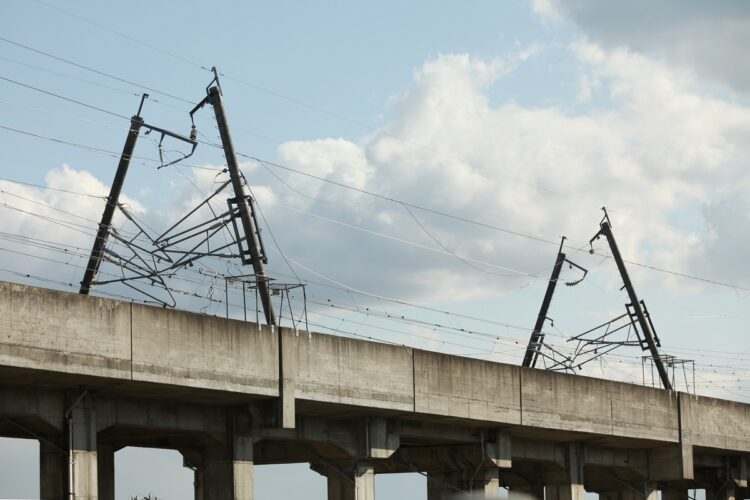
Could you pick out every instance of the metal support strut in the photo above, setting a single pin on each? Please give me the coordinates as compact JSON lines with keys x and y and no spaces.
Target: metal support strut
{"x":537,"y":336}
{"x":605,"y":229}
{"x":95,"y":260}
{"x":244,"y":204}
{"x":136,"y":124}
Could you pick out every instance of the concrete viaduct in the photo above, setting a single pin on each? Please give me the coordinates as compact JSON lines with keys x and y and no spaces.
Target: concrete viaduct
{"x":87,"y":376}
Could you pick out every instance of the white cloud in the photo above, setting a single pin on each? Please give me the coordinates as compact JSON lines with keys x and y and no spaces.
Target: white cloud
{"x":547,"y":10}
{"x":723,"y":253}
{"x":708,"y":37}
{"x":61,"y":225}
{"x":55,"y":214}
{"x":659,"y":148}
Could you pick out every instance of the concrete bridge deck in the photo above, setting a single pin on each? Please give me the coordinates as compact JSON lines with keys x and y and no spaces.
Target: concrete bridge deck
{"x":87,"y":376}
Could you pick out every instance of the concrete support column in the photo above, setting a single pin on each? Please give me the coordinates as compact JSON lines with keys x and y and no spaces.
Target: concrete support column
{"x":526,"y":493}
{"x":105,"y":455}
{"x":217,"y":479}
{"x":224,"y":480}
{"x":84,"y":484}
{"x":674,"y":494}
{"x":627,"y":494}
{"x":243,"y":468}
{"x":491,"y":480}
{"x":447,"y":486}
{"x":436,"y":489}
{"x":227,"y":473}
{"x":53,"y":472}
{"x":198,"y":483}
{"x":729,"y":492}
{"x":359,"y":485}
{"x":572,"y":487}
{"x":565,"y":492}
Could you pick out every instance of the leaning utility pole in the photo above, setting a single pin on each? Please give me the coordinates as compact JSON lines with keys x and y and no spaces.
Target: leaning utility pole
{"x":537,"y":336}
{"x":136,"y":123}
{"x":243,"y":201}
{"x":605,"y":229}
{"x":95,"y":260}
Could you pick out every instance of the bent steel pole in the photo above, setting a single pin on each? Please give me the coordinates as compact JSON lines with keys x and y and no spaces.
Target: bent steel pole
{"x":537,"y":336}
{"x":244,"y":205}
{"x":606,"y":230}
{"x":100,"y":242}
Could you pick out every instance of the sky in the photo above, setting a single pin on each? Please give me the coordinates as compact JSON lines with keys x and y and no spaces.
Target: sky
{"x":415,"y":166}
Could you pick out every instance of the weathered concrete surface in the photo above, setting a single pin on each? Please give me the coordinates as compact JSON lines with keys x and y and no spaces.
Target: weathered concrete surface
{"x":142,"y":351}
{"x":155,"y":414}
{"x":573,"y":403}
{"x":355,"y":484}
{"x":643,"y":412}
{"x":716,"y":423}
{"x":55,"y":331}
{"x":53,"y":467}
{"x":64,"y":332}
{"x":25,"y":402}
{"x":452,"y":386}
{"x":180,"y":348}
{"x":340,"y":370}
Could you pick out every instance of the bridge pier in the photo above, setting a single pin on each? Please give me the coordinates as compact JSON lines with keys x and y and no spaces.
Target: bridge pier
{"x":53,"y":471}
{"x":529,"y":492}
{"x":572,"y":491}
{"x":726,"y":493}
{"x":105,"y":454}
{"x":68,"y":459}
{"x":454,"y":484}
{"x":349,"y":483}
{"x":226,"y":472}
{"x":649,"y":492}
{"x":675,"y":494}
{"x":567,"y":484}
{"x":85,"y":476}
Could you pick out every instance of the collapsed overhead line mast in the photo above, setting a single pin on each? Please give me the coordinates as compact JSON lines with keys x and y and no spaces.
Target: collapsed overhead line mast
{"x":600,"y":340}
{"x":100,"y":242}
{"x":254,"y":254}
{"x":537,"y":336}
{"x":638,"y":307}
{"x":164,"y":257}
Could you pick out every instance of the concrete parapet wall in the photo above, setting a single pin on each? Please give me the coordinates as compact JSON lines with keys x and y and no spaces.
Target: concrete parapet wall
{"x":584,"y":404}
{"x":181,"y":348}
{"x":566,"y":402}
{"x":70,"y":333}
{"x":716,"y":423}
{"x":64,"y":332}
{"x":644,"y":412}
{"x":466,"y":388}
{"x":353,"y":372}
